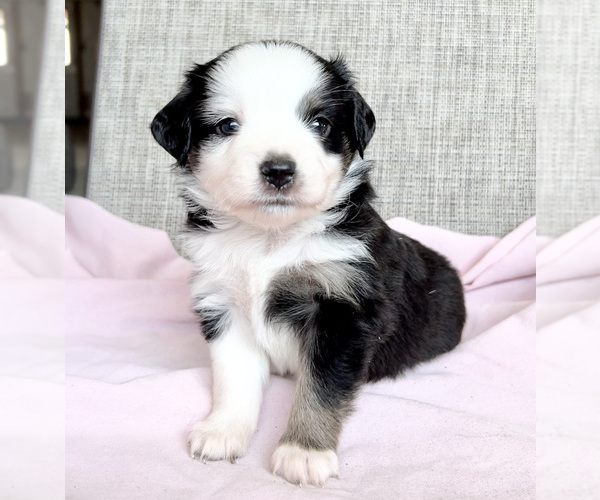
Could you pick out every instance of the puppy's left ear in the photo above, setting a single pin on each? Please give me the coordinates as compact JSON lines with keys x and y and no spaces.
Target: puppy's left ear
{"x":364,"y":118}
{"x":364,"y":123}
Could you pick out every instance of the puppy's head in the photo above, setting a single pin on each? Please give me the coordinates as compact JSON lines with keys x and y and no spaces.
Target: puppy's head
{"x":266,"y":131}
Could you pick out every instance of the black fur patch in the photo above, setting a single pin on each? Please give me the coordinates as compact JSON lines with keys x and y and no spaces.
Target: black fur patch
{"x":213,"y":322}
{"x":410,"y":309}
{"x":179,"y":127}
{"x":352,"y":120}
{"x":199,"y":219}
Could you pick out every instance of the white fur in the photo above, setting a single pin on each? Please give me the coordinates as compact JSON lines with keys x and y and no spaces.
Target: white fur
{"x":261,"y":87}
{"x":301,"y":466}
{"x":240,"y":372}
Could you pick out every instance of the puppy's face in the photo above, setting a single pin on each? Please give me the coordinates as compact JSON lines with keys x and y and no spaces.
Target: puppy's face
{"x":266,"y":131}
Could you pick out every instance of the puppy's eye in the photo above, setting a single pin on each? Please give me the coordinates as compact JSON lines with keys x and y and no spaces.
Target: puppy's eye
{"x":321,"y":126}
{"x":228,"y":126}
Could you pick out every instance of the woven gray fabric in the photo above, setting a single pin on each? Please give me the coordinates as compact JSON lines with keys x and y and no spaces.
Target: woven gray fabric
{"x":568,"y":124}
{"x":47,"y":170}
{"x":452,"y":85}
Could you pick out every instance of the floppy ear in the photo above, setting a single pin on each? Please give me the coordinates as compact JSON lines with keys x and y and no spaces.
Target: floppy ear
{"x":364,"y":118}
{"x":364,"y":123}
{"x":172,"y":128}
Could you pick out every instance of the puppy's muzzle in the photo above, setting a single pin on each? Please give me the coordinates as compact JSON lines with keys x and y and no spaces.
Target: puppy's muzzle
{"x":278,"y":172}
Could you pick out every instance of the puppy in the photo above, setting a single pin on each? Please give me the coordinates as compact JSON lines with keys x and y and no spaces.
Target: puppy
{"x":295,"y":271}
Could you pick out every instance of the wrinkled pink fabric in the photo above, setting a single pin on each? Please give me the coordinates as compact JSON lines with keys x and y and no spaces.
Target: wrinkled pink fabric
{"x":568,"y":364}
{"x":32,"y":330}
{"x":138,"y":376}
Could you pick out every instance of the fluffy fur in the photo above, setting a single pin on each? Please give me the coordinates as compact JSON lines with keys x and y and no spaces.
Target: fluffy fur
{"x":295,"y":271}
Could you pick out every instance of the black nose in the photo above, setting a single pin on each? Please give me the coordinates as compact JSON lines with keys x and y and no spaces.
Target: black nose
{"x":278,"y":172}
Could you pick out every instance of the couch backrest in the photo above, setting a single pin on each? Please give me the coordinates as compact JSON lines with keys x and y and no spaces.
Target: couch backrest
{"x":452,"y":84}
{"x":47,"y":166}
{"x":568,"y":114}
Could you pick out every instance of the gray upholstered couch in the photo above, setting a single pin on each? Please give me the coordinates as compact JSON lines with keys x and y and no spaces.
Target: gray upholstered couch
{"x":452,"y":85}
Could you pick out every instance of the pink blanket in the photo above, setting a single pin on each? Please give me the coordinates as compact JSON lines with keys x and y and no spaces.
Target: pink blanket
{"x":32,"y":332}
{"x":138,"y":376}
{"x":568,"y":364}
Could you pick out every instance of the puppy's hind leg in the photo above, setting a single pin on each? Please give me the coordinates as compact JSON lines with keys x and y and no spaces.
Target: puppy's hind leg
{"x":240,"y":372}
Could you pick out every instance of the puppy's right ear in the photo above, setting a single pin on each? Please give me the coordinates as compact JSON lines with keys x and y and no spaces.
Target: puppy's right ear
{"x":172,"y":126}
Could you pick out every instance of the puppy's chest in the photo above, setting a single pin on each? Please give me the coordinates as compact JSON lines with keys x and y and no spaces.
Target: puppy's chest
{"x":239,"y":271}
{"x":234,"y":273}
{"x":236,"y":270}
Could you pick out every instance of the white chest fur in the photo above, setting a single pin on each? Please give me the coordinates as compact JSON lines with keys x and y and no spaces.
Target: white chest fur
{"x":235,"y":267}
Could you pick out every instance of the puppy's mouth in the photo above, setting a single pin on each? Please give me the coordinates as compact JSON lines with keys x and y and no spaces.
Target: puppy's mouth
{"x":276,"y":210}
{"x":276,"y":204}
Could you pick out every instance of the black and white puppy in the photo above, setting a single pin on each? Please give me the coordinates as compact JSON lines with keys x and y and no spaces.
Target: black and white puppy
{"x":295,"y":271}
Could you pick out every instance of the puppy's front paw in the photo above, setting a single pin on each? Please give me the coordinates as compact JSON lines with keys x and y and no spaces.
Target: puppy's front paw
{"x":218,"y":440}
{"x":304,"y":466}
